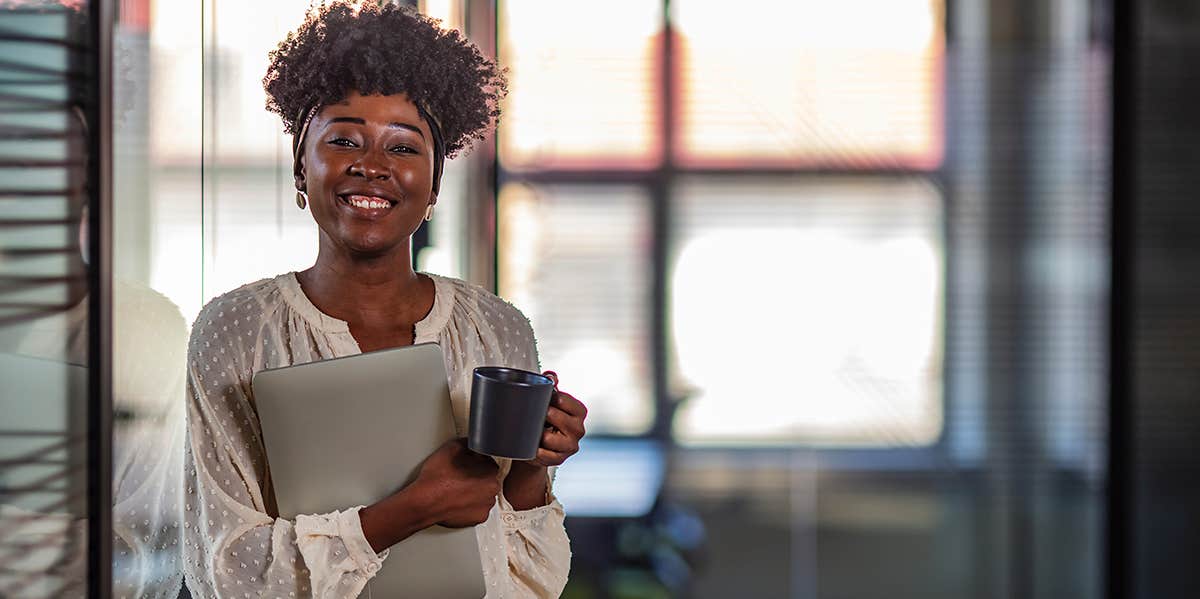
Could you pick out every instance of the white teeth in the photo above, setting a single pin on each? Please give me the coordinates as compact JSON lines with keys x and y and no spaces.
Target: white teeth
{"x":367,"y":202}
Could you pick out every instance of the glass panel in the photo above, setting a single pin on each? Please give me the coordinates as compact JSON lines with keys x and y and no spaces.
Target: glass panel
{"x":576,"y":261}
{"x":583,"y":81}
{"x":833,"y":324}
{"x":855,"y":83}
{"x":252,"y":226}
{"x":165,"y":250}
{"x":157,"y":266}
{"x":44,"y":294}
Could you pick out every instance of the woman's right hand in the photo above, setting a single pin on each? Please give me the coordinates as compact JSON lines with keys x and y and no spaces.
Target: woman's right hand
{"x":462,"y":484}
{"x":455,"y":487}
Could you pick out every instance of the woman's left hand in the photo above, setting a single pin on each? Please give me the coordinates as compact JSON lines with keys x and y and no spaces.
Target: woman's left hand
{"x":526,"y":485}
{"x":564,"y":427}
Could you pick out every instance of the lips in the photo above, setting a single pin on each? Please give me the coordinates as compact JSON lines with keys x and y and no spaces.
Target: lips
{"x":365,"y":201}
{"x":366,"y":204}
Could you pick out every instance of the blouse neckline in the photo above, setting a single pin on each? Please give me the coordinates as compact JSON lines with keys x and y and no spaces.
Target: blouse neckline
{"x":425,"y":330}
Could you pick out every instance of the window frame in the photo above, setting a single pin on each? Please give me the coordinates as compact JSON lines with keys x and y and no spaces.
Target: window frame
{"x":660,"y":183}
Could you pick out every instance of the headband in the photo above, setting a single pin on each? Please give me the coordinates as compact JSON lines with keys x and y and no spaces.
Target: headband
{"x":435,"y":129}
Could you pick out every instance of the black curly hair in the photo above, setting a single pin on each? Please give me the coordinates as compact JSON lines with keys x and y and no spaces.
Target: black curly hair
{"x":372,"y":49}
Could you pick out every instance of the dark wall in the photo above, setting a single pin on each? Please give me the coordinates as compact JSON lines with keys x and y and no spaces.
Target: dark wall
{"x":1165,"y":308}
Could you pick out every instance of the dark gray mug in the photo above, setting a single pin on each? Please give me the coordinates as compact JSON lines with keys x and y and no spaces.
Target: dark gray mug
{"x":508,"y":412}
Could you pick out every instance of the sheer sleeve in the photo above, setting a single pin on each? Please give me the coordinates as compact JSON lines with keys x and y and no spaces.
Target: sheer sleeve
{"x":234,"y":547}
{"x":539,"y":552}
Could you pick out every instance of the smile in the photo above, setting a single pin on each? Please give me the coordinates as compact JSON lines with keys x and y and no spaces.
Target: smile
{"x":365,"y":202}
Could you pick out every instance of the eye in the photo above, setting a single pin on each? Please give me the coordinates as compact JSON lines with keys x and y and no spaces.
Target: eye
{"x":403,"y":149}
{"x":342,"y":141}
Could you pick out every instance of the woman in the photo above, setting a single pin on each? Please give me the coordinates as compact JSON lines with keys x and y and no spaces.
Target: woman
{"x":376,"y":99}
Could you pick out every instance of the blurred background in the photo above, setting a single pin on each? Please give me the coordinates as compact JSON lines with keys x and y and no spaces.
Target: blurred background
{"x":869,"y":298}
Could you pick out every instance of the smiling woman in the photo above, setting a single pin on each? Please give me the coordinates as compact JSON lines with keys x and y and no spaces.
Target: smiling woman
{"x":370,"y":136}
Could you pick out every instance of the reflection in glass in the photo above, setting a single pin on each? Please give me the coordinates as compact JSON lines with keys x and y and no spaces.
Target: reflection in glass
{"x":576,"y":262}
{"x":817,"y":303}
{"x":853,"y":83}
{"x":153,"y":179}
{"x":43,"y":301}
{"x":149,"y":351}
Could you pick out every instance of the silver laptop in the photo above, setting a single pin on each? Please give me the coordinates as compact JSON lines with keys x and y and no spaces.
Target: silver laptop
{"x":350,"y":431}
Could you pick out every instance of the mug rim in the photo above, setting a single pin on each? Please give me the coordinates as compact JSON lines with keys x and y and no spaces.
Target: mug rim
{"x":486,"y":372}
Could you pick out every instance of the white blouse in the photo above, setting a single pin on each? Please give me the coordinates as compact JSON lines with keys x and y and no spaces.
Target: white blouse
{"x":233,"y":548}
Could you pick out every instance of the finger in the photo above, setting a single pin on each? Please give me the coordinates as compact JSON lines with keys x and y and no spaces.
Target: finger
{"x":550,"y":374}
{"x":569,"y":404}
{"x":559,"y":443}
{"x":545,"y":457}
{"x":565,"y":422}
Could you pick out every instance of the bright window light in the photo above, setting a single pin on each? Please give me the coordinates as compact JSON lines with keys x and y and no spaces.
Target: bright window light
{"x":583,"y":84}
{"x":576,"y":261}
{"x":809,"y":82}
{"x":808,"y":313}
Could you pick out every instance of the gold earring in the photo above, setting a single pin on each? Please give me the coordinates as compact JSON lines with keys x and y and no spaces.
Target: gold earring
{"x":301,"y":200}
{"x":429,"y":212}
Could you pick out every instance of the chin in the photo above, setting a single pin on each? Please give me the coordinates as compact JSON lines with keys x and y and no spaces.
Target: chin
{"x":371,"y":241}
{"x":366,"y":250}
{"x":373,"y":248}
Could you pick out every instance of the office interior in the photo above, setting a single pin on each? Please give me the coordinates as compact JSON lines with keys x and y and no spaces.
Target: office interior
{"x":868,"y":298}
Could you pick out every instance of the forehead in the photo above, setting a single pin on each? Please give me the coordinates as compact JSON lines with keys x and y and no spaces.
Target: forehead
{"x":375,"y":109}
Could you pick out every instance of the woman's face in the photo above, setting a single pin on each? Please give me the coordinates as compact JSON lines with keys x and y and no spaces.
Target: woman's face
{"x":368,"y":171}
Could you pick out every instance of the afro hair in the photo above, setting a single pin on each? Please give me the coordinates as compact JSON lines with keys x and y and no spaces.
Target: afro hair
{"x":372,"y":49}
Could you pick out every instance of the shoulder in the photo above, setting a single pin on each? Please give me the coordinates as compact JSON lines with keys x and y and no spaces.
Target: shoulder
{"x":246,"y":299}
{"x":234,"y":312}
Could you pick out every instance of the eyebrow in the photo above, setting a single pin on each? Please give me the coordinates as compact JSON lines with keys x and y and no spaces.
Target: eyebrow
{"x":357,"y":121}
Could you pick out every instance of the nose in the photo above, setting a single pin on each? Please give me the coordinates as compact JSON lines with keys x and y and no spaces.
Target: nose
{"x":369,"y":166}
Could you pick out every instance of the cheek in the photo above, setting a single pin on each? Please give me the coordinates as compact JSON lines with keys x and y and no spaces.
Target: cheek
{"x":319,"y":186}
{"x":316,"y":175}
{"x":320,"y":166}
{"x":415,"y":181}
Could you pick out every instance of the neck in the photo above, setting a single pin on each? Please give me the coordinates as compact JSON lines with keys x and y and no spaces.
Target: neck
{"x":355,"y":287}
